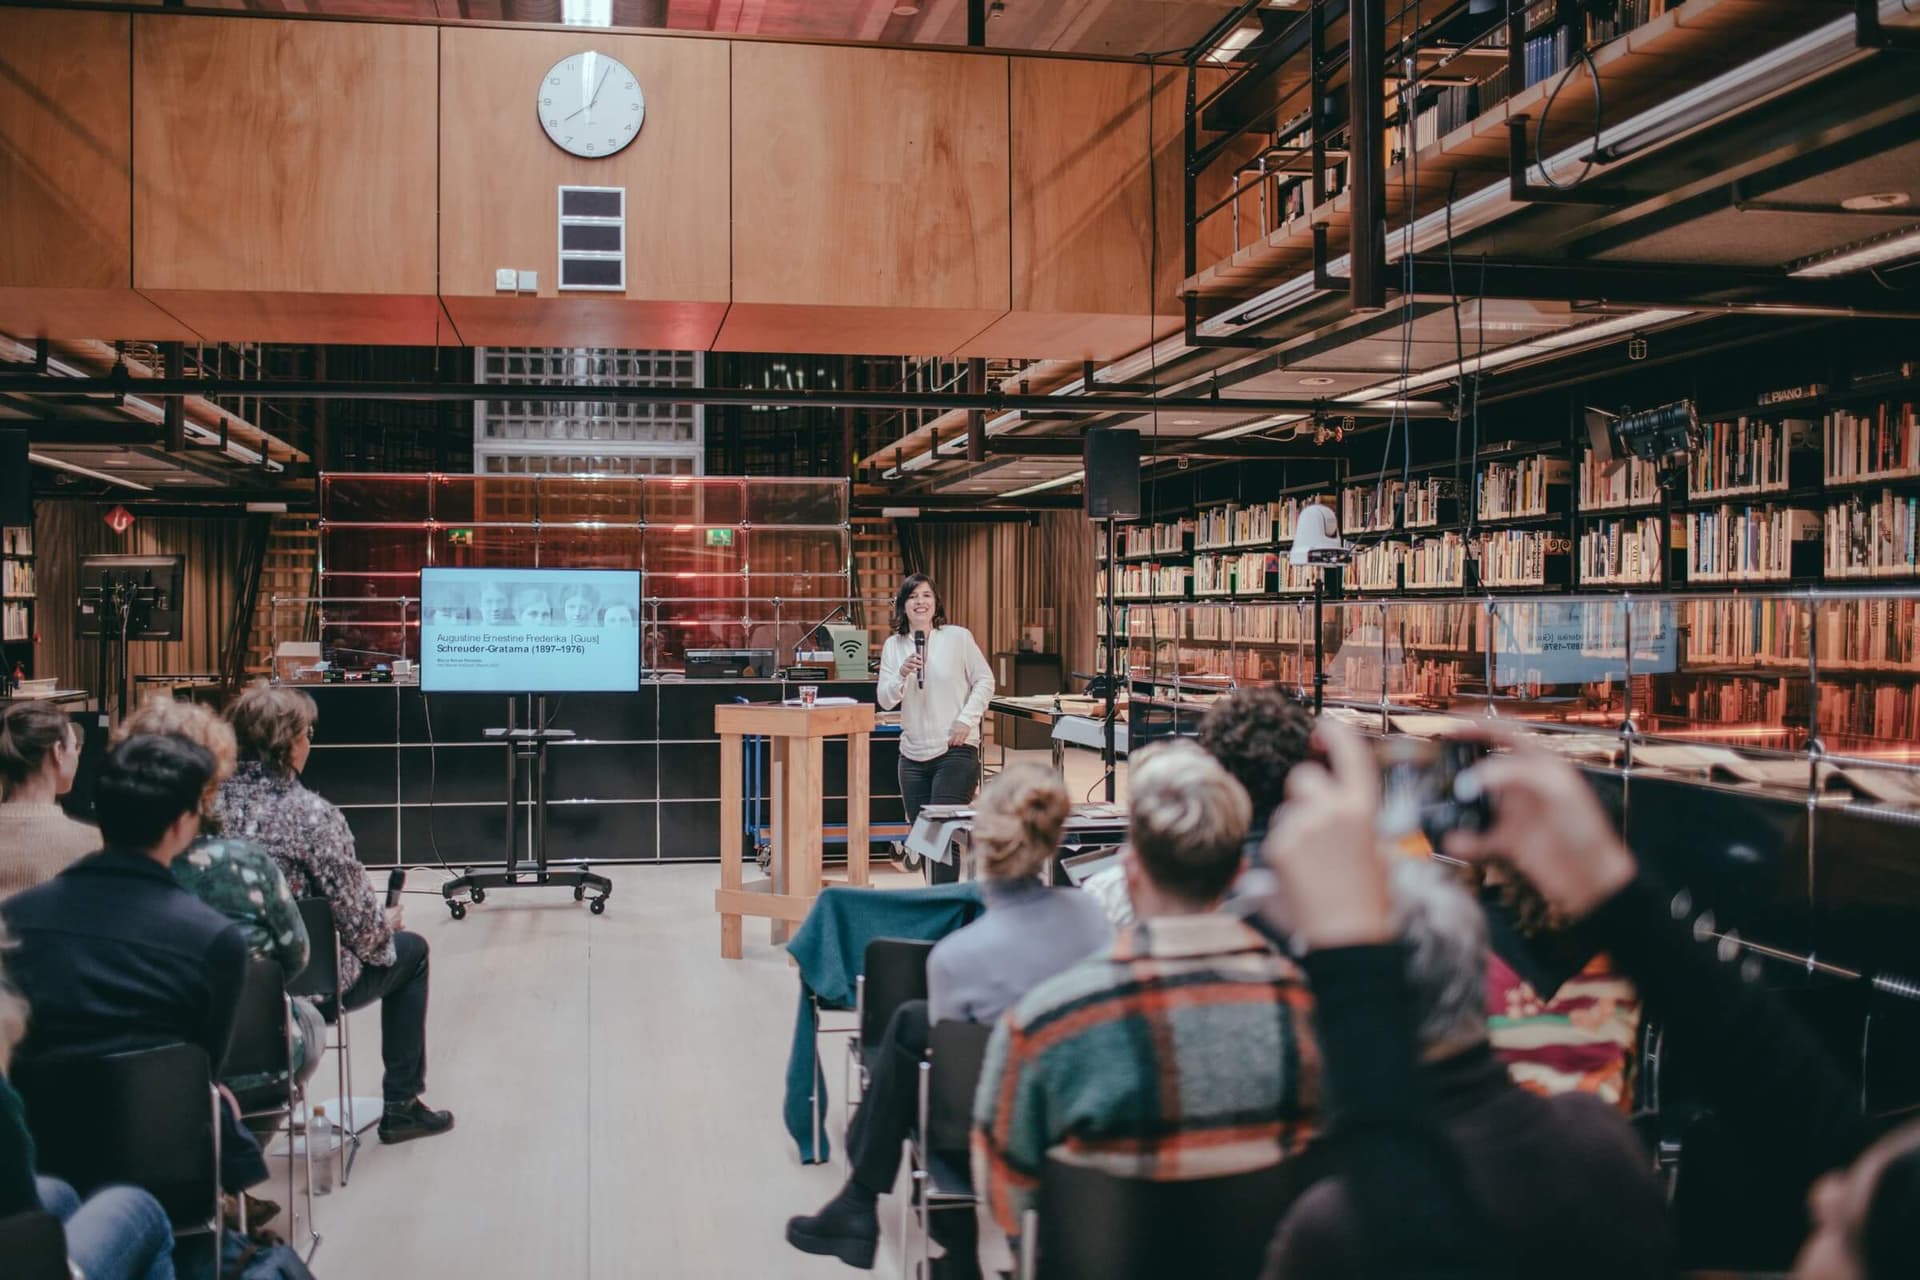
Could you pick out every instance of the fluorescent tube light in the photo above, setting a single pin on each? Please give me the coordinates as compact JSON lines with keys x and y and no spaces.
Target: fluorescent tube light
{"x":1886,"y":248}
{"x":88,"y":472}
{"x":1055,"y":483}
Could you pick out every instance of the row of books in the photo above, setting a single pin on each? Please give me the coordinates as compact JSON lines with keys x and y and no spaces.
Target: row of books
{"x":1737,"y":699}
{"x":16,"y":621}
{"x":1872,"y":535}
{"x":1746,"y":455}
{"x":1510,"y":490}
{"x":1429,"y":502}
{"x":1148,"y":581}
{"x":1251,"y":573}
{"x":1172,"y":537}
{"x":16,"y":540}
{"x":1256,"y":525}
{"x":1869,"y":710}
{"x":1879,"y":443}
{"x":1370,"y":508}
{"x":1729,"y":632}
{"x":1745,"y":543}
{"x":1625,"y":551}
{"x":1867,"y":634}
{"x":1519,"y":557}
{"x":16,"y":577}
{"x":1437,"y":562}
{"x":1623,"y":482}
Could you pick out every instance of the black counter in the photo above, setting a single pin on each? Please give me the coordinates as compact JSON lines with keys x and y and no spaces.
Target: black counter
{"x":419,"y":783}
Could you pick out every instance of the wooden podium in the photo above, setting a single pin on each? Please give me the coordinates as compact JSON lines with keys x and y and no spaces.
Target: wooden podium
{"x":796,"y":783}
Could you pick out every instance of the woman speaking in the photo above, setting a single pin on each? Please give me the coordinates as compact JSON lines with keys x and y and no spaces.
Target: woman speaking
{"x":940,"y":680}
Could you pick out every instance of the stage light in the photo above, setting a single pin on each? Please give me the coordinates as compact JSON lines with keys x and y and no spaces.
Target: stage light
{"x":1666,"y":437}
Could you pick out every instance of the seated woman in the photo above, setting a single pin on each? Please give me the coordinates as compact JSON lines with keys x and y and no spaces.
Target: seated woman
{"x":39,"y":754}
{"x":117,"y":1233}
{"x":309,"y":841}
{"x":1030,"y":932}
{"x":237,"y":878}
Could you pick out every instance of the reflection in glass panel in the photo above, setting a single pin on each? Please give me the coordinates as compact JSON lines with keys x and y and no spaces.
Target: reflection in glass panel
{"x":590,"y":499}
{"x":1354,"y":636}
{"x":1566,"y":660}
{"x":795,"y":550}
{"x":469,"y":500}
{"x":373,"y":549}
{"x":1741,"y":675}
{"x":693,"y":562}
{"x":354,"y":636}
{"x":1869,"y":666}
{"x":694,"y":501}
{"x":569,"y":547}
{"x":796,"y":502}
{"x":351,"y":499}
{"x":360,"y":586}
{"x":796,"y":586}
{"x":485,"y":547}
{"x":679,"y":625}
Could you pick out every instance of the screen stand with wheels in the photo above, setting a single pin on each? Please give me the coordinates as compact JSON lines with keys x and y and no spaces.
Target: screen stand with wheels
{"x":527,"y":754}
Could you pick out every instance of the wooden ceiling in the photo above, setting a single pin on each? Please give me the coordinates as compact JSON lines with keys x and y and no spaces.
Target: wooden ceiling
{"x":1117,"y":28}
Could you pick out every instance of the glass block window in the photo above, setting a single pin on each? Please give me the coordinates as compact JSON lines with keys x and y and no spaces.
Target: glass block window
{"x":605,"y":437}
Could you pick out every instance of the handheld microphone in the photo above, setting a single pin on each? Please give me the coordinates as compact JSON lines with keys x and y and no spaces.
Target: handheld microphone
{"x":920,"y":651}
{"x":396,"y":881}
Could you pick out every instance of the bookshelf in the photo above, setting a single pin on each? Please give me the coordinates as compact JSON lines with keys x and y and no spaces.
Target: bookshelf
{"x":18,"y":600}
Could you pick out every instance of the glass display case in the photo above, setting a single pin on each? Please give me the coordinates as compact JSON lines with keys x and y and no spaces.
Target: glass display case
{"x":726,"y":562}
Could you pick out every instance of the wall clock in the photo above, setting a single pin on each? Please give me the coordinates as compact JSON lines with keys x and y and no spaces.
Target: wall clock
{"x":590,"y":105}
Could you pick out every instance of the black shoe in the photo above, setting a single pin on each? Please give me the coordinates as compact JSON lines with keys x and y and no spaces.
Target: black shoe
{"x":847,"y":1227}
{"x":405,"y":1122}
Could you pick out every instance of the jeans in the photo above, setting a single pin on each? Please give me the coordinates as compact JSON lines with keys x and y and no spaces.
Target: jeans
{"x":117,"y":1233}
{"x":885,"y":1119}
{"x":949,"y":778}
{"x":401,"y":989}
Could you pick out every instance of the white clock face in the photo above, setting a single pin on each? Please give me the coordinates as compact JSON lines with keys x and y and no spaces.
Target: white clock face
{"x":590,"y":105}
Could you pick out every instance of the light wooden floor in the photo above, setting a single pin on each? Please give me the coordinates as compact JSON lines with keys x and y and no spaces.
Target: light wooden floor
{"x":618,"y":1089}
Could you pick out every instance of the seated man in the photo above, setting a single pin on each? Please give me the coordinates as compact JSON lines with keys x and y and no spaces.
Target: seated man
{"x":113,"y":954}
{"x":1029,"y":932}
{"x":1447,"y":1167}
{"x":1188,"y":1001}
{"x":1257,"y":733}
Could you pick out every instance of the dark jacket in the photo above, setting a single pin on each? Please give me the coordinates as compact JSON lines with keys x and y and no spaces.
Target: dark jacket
{"x":113,"y":955}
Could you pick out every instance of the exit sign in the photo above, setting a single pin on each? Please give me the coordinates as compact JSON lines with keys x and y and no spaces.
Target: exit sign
{"x":719,"y":537}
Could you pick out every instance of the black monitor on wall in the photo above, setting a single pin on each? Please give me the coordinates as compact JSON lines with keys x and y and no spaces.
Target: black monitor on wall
{"x":147,"y":588}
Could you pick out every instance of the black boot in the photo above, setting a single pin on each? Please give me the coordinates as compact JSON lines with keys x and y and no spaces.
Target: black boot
{"x":405,"y":1121}
{"x":847,"y":1227}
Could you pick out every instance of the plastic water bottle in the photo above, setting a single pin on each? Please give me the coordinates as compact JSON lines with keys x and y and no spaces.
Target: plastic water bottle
{"x":323,"y":1143}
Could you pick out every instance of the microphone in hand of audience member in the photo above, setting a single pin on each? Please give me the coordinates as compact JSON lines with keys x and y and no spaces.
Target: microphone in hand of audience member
{"x":1548,"y":827}
{"x":1324,"y":850}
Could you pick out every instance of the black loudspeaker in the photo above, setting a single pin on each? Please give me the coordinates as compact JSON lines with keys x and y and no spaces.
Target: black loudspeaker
{"x":1112,"y":462}
{"x":16,"y":481}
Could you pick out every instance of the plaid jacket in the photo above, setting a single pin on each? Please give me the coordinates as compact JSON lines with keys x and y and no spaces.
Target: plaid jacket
{"x":1185,"y":1052}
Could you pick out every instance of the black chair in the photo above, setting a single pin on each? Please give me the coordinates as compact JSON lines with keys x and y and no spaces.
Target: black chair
{"x":149,"y":1118}
{"x":893,"y":971}
{"x":262,"y":1045}
{"x":35,"y":1246}
{"x":320,"y":981}
{"x":937,"y":1159}
{"x":1091,"y":1224}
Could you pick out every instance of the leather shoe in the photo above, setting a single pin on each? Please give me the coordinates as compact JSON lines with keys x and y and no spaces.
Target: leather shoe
{"x":413,"y":1120}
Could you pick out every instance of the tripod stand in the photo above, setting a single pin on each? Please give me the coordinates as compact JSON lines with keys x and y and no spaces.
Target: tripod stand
{"x":527,"y":754}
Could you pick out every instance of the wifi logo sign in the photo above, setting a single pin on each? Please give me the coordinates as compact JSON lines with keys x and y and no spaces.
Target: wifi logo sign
{"x":850,"y":648}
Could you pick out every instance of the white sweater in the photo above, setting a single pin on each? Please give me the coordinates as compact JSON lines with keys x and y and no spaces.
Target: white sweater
{"x":959,"y":685}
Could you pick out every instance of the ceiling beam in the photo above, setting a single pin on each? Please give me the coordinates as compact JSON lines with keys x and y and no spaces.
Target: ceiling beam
{"x":1248,"y":447}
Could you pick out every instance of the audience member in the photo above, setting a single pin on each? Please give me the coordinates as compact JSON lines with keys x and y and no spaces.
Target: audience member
{"x":1030,"y":932}
{"x":1757,"y":1063}
{"x":1553,"y":1186}
{"x":114,"y":955}
{"x":1257,"y":733}
{"x":39,"y":753}
{"x":1188,"y":1002}
{"x":308,"y":839}
{"x":117,"y":1233}
{"x":237,"y":878}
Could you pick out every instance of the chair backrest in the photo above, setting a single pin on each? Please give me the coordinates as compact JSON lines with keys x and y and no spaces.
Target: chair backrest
{"x":956,"y":1051}
{"x":35,"y":1246}
{"x":321,"y":978}
{"x":1095,"y":1225}
{"x":893,"y":972}
{"x":145,"y":1117}
{"x":259,"y":1044}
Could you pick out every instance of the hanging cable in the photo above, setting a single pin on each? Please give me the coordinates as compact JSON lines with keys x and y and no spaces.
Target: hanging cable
{"x":1546,"y":109}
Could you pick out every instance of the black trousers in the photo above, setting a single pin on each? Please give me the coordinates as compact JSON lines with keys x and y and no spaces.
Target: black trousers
{"x":401,"y":989}
{"x":949,"y":778}
{"x":885,"y":1119}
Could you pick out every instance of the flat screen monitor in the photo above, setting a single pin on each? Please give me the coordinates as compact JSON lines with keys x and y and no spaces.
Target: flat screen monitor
{"x":138,"y":596}
{"x":529,"y":630}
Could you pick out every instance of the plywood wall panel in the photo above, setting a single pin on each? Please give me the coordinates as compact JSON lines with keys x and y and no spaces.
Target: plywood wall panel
{"x":874,"y":180}
{"x":499,"y":191}
{"x":283,"y":157}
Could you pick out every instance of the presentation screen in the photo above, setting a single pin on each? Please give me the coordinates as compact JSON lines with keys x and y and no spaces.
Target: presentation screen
{"x":529,"y":630}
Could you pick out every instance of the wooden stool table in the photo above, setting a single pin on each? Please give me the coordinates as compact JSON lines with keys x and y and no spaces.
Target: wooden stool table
{"x":797,"y":782}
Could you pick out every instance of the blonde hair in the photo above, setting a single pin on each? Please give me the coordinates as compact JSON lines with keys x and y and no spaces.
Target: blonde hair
{"x":1017,"y":821}
{"x":1187,"y":819}
{"x":169,"y":717}
{"x":267,"y":719}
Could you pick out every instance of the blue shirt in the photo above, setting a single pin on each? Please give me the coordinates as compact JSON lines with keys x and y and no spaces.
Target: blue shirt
{"x":1028,"y":934}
